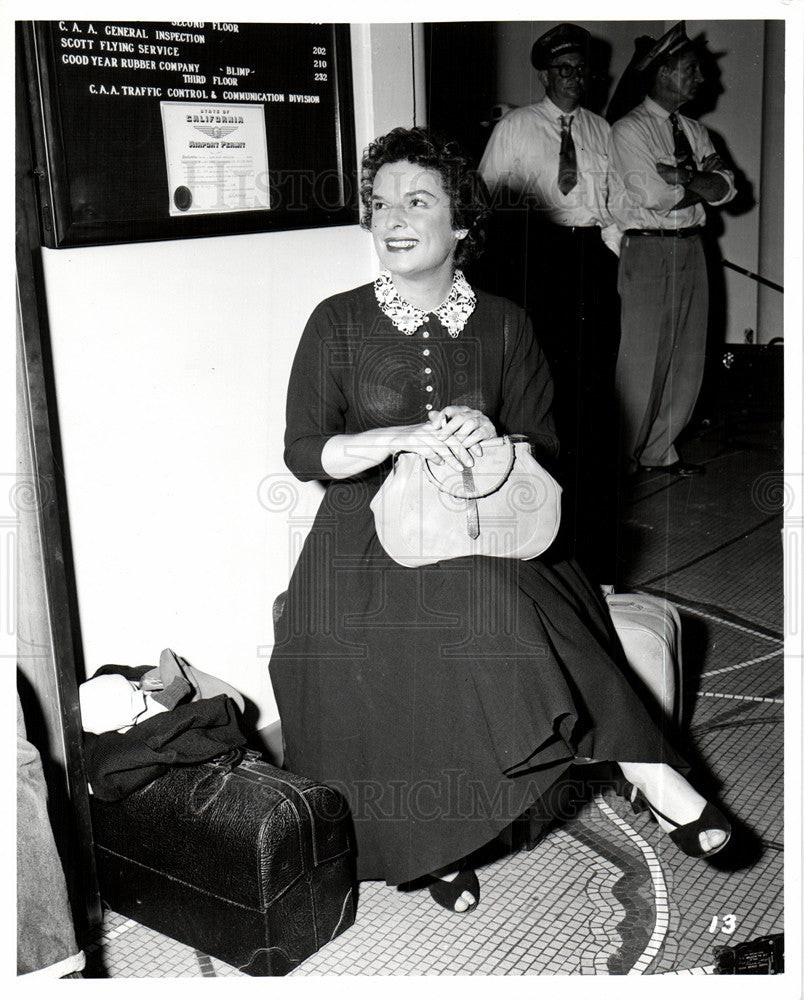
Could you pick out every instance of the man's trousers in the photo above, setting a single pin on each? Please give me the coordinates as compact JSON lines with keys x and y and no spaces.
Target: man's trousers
{"x":664,"y":293}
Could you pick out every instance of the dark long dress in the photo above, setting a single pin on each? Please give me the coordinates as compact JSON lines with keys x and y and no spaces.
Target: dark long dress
{"x":442,"y":700}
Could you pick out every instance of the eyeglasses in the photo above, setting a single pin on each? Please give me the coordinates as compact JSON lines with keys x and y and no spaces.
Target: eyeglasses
{"x":565,"y":70}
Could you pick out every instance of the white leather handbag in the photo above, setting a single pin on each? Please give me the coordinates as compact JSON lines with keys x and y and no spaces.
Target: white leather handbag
{"x":505,"y":505}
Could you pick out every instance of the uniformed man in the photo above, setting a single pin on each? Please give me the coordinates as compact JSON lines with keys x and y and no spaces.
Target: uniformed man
{"x":552,"y":156}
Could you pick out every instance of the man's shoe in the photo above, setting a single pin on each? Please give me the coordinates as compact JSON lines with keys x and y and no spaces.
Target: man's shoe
{"x":676,"y":469}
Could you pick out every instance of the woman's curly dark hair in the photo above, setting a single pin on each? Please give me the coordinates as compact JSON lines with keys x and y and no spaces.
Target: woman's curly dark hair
{"x":467,"y":192}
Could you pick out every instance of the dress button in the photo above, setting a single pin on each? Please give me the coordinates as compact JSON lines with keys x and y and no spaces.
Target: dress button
{"x":425,"y":333}
{"x":429,"y":388}
{"x":428,"y":406}
{"x":426,"y":352}
{"x":428,"y":371}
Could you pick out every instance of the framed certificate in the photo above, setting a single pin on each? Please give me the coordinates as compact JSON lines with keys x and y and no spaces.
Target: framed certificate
{"x":164,"y":130}
{"x":216,"y":157}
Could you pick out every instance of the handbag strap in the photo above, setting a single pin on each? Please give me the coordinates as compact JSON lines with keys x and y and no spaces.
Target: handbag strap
{"x":472,"y":516}
{"x":464,"y":488}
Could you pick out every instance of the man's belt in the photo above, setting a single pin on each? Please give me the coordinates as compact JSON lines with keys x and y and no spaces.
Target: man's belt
{"x":680,"y":234}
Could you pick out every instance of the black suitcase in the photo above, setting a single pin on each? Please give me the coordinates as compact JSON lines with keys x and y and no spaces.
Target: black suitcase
{"x":241,"y":860}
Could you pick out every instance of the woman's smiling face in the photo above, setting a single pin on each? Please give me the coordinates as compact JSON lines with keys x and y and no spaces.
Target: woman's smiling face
{"x":411,"y":221}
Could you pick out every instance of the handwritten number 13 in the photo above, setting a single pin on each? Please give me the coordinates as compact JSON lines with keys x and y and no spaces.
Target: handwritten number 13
{"x":729,"y":924}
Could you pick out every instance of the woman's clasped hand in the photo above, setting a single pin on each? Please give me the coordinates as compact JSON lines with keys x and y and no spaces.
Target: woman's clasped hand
{"x":453,"y":435}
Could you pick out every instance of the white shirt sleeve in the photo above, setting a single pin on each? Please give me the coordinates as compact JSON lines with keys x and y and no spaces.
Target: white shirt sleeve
{"x":702,"y":143}
{"x":612,"y":237}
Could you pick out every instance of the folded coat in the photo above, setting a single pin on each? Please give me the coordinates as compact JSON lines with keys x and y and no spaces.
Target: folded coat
{"x":119,"y":763}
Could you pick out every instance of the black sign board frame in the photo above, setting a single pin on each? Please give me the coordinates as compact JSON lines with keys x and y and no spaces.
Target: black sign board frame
{"x":100,"y":160}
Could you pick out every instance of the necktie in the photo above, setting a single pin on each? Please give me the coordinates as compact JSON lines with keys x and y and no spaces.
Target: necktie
{"x":567,"y":163}
{"x":681,"y":144}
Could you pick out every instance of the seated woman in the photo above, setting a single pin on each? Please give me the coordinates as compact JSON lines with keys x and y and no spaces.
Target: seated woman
{"x":443,"y":700}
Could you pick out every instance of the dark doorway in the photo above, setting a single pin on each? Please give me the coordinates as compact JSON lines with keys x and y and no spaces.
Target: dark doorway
{"x":460,"y":80}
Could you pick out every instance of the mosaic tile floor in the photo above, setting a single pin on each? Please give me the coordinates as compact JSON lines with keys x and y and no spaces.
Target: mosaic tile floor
{"x":606,"y":893}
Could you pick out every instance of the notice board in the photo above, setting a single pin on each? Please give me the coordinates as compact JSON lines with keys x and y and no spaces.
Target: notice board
{"x":161,"y":130}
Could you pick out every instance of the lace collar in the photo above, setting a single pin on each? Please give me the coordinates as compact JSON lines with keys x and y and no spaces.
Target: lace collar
{"x":454,"y":311}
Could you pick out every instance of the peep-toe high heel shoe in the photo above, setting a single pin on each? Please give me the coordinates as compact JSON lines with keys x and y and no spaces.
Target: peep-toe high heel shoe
{"x":685,"y":836}
{"x":447,"y":893}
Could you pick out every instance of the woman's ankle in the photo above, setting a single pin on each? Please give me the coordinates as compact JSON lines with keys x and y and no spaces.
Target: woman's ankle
{"x":674,"y":799}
